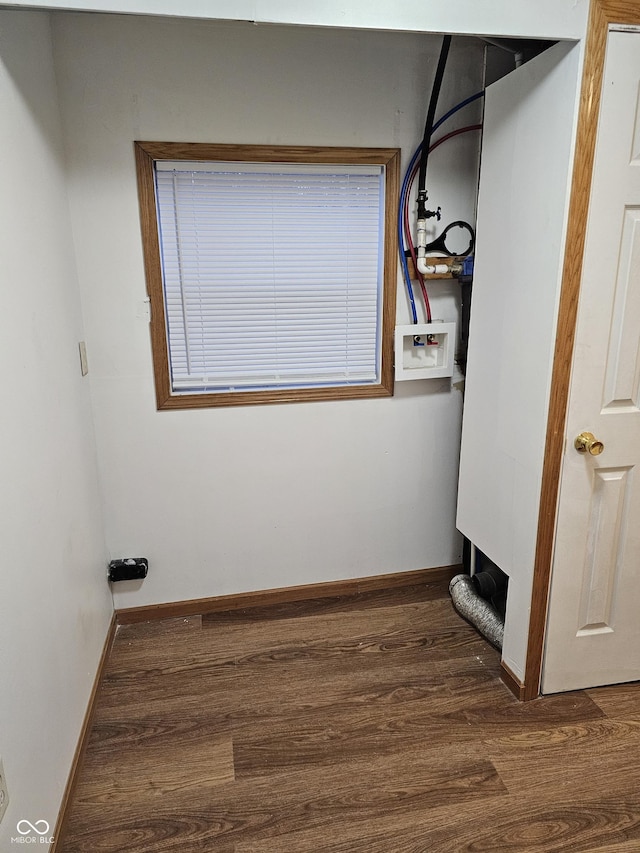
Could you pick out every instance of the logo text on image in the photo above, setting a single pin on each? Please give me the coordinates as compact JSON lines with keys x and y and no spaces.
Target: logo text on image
{"x":32,"y":833}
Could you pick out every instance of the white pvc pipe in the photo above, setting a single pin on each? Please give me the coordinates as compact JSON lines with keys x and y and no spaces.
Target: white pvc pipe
{"x":424,"y":265}
{"x":473,"y":559}
{"x":431,"y":269}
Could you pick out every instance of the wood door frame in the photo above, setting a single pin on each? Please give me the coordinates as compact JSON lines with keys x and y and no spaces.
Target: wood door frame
{"x":602,"y":13}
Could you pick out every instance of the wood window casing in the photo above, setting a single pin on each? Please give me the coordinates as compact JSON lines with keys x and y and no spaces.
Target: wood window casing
{"x":148,"y":153}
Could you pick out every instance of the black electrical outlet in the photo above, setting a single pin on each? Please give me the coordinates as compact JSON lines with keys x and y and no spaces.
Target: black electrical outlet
{"x":129,"y":569}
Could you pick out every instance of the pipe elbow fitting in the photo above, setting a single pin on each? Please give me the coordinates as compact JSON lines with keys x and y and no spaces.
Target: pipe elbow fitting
{"x":431,"y":269}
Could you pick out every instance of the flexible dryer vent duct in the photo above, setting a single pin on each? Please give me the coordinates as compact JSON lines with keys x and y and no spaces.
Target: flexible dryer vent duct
{"x":476,"y":610}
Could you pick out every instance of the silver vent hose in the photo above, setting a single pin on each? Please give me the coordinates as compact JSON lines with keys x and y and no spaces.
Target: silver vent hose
{"x":476,"y":610}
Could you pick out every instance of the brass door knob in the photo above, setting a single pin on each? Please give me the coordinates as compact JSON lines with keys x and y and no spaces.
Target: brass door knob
{"x":586,"y":442}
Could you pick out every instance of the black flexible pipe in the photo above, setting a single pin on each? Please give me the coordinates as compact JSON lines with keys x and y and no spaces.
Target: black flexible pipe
{"x":428,"y":127}
{"x":489,"y":581}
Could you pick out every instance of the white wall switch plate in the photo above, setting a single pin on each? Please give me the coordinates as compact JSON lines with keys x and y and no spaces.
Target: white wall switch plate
{"x":424,"y":350}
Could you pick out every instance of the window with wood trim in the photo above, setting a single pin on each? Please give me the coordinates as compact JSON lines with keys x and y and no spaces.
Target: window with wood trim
{"x":271,"y":271}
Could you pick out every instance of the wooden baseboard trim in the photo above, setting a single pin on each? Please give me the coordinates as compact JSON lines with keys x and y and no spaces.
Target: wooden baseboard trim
{"x":284,"y":595}
{"x":514,"y":684}
{"x":83,"y":739}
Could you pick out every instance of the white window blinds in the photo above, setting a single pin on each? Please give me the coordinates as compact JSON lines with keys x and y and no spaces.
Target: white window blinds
{"x":272,"y":274}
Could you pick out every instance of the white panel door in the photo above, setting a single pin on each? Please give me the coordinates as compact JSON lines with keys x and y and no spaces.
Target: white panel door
{"x":593,"y":627}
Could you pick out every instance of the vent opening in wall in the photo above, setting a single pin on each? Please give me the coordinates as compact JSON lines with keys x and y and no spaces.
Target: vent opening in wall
{"x":128,"y":569}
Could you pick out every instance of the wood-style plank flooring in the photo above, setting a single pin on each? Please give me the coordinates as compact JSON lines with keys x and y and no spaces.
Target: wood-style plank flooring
{"x":375,"y":723}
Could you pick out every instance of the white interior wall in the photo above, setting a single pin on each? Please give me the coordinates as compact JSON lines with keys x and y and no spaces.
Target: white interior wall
{"x":54,"y":603}
{"x":522,"y":208}
{"x":360,"y":487}
{"x":555,"y":19}
{"x":226,"y":500}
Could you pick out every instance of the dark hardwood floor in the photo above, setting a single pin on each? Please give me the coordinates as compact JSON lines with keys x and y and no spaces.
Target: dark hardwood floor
{"x":375,"y":723}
